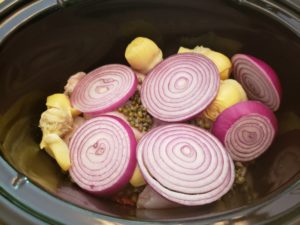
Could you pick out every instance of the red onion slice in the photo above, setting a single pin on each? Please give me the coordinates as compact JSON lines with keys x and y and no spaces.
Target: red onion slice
{"x":180,"y":87}
{"x":258,"y":79}
{"x":103,"y":155}
{"x":247,"y":129}
{"x":185,"y":164}
{"x":104,"y":89}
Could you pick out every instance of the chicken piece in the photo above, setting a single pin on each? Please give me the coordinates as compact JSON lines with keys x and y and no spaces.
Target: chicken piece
{"x":138,"y":134}
{"x":72,"y":82}
{"x":78,"y":121}
{"x":55,"y":121}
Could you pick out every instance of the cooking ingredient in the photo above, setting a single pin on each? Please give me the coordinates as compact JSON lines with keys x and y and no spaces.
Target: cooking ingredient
{"x":185,"y":164}
{"x":230,"y":93}
{"x":240,"y":173}
{"x":246,"y":129}
{"x":55,"y":121}
{"x":143,"y":54}
{"x":141,"y":77}
{"x":77,"y":122}
{"x":137,"y":179}
{"x":104,"y":89}
{"x":202,"y":122}
{"x":136,"y":113}
{"x":57,"y":149}
{"x":138,"y":134}
{"x":258,"y":79}
{"x":61,"y":101}
{"x":72,"y":82}
{"x":103,"y":155}
{"x":180,"y":87}
{"x":150,"y":199}
{"x":222,"y":62}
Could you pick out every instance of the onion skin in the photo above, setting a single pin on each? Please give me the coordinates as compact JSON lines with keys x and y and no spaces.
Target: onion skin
{"x":185,"y":164}
{"x":257,"y":116}
{"x":103,"y":155}
{"x":258,"y":79}
{"x":180,"y":87}
{"x":104,"y":89}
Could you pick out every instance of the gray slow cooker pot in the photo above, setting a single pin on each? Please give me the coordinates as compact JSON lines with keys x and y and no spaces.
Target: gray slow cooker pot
{"x":43,"y":42}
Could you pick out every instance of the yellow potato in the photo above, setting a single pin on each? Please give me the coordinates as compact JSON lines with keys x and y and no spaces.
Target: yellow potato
{"x":222,"y":62}
{"x":137,"y":178}
{"x":230,"y":92}
{"x":143,"y":54}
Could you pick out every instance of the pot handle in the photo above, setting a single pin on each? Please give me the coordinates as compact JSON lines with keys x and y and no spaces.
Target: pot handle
{"x":286,"y":12}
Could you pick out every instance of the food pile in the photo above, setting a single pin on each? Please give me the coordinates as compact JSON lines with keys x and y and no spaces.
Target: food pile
{"x":163,"y":132}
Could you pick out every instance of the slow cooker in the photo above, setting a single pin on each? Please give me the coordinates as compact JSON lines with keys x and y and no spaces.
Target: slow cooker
{"x":43,"y":42}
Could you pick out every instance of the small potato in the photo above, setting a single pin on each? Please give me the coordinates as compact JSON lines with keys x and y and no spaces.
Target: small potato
{"x":222,"y":62}
{"x":143,"y":54}
{"x":230,"y":92}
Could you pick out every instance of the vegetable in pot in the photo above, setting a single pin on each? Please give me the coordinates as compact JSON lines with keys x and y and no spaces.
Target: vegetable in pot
{"x":103,"y":155}
{"x":57,"y":149}
{"x":56,"y":122}
{"x":180,"y":164}
{"x":185,"y":164}
{"x":136,"y":114}
{"x":230,"y":93}
{"x":104,"y":89}
{"x":180,"y":87}
{"x":222,"y":62}
{"x":258,"y":79}
{"x":143,"y":54}
{"x":137,"y":178}
{"x":246,"y":129}
{"x":61,"y":101}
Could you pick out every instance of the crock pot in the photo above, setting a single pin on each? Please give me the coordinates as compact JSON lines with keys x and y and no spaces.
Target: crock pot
{"x":43,"y":42}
